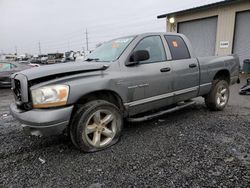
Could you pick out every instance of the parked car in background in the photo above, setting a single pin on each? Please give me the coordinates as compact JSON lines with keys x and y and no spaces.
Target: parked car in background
{"x":8,"y":68}
{"x":10,"y":57}
{"x":136,"y":77}
{"x":55,"y":58}
{"x":39,"y":59}
{"x":69,"y":56}
{"x":44,"y":59}
{"x":24,"y":57}
{"x":35,"y":60}
{"x":29,"y":63}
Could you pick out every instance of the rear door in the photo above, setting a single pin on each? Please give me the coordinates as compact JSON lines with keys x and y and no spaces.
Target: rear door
{"x":185,"y":69}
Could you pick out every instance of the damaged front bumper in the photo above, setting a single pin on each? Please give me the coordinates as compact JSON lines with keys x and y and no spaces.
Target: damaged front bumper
{"x":43,"y":122}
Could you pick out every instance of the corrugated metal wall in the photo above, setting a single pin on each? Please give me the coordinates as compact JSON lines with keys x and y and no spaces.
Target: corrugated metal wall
{"x":242,"y":35}
{"x":225,"y":23}
{"x":202,"y":34}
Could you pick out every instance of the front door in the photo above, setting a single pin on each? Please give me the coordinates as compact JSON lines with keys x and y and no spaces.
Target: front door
{"x":155,"y":75}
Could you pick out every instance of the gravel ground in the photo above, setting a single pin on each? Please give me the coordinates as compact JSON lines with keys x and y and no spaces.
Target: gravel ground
{"x":189,"y":148}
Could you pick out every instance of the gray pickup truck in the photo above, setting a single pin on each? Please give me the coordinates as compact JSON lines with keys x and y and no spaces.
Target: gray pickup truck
{"x":135,"y":78}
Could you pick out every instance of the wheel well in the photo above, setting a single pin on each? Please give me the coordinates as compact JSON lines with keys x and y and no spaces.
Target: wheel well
{"x":106,"y":95}
{"x":223,"y":75}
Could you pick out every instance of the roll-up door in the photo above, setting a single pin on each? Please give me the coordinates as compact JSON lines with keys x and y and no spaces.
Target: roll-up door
{"x":242,"y":36}
{"x":202,"y":34}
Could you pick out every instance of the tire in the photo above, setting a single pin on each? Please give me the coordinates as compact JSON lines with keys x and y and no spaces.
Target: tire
{"x":96,"y":125}
{"x":218,"y":96}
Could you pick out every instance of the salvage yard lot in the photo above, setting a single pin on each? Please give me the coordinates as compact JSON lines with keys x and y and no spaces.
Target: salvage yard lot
{"x":193,"y":147}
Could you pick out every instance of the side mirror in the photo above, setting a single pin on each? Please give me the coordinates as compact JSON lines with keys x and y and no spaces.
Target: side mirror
{"x":137,"y":56}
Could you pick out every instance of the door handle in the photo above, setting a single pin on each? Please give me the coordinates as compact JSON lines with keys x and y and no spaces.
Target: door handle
{"x":167,"y":69}
{"x":193,"y":65}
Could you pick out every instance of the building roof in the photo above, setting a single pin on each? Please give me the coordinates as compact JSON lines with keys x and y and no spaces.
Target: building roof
{"x":200,"y":8}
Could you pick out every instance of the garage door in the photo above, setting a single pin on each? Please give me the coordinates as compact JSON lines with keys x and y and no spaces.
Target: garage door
{"x":202,"y":34}
{"x":242,"y":36}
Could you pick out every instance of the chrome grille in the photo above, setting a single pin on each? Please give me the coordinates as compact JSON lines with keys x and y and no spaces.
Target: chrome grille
{"x":17,"y":90}
{"x":20,"y":89}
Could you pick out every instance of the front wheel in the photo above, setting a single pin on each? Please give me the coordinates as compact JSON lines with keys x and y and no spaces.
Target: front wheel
{"x":218,"y":96}
{"x":96,"y":126}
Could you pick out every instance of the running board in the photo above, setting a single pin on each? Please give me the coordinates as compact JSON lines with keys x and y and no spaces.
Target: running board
{"x":160,"y":113}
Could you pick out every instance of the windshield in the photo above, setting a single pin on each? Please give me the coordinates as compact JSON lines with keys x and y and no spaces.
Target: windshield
{"x":110,"y":51}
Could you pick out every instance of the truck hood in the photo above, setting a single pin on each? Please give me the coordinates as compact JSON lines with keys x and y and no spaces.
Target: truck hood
{"x":62,"y":69}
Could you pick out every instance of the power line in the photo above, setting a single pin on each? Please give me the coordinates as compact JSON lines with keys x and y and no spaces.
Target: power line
{"x":96,"y":37}
{"x":107,"y":27}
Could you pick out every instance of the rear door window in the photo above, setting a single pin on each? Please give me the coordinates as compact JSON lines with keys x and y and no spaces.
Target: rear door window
{"x":178,"y":47}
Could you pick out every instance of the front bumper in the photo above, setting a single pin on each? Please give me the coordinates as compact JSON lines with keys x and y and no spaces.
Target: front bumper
{"x":5,"y":84}
{"x":43,"y":122}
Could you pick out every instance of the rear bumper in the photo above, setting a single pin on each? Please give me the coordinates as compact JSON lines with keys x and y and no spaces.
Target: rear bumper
{"x":43,"y":122}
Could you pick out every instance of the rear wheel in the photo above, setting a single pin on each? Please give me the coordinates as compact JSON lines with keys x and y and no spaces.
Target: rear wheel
{"x":218,"y":96}
{"x":96,"y":126}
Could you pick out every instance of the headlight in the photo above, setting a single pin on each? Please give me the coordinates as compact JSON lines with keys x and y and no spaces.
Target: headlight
{"x":50,"y":96}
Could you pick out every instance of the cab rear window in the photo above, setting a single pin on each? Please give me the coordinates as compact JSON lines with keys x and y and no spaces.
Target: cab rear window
{"x":178,"y":47}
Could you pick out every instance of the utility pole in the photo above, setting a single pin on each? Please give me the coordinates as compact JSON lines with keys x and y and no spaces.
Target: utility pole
{"x":39,"y":47}
{"x":87,"y":40}
{"x":83,"y":51}
{"x":16,"y":50}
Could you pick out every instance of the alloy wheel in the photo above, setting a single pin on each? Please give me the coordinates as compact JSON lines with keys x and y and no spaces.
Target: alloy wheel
{"x":101,"y":128}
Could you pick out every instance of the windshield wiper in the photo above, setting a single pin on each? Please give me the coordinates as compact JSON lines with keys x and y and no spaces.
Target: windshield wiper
{"x":92,"y":59}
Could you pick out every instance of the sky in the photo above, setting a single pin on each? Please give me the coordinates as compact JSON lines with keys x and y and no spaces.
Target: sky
{"x":60,"y":25}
